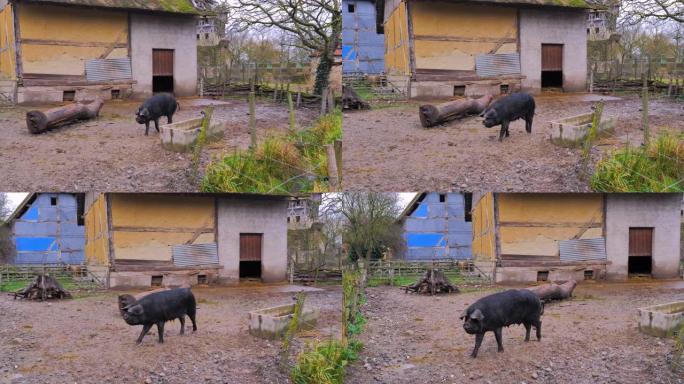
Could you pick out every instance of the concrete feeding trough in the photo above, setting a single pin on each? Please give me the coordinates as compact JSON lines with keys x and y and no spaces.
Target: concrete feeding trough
{"x":571,"y":131}
{"x":661,"y":320}
{"x":181,"y":136}
{"x":272,"y":323}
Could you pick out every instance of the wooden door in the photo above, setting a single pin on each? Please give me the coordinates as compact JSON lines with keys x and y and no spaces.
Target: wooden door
{"x":162,"y":62}
{"x":640,"y":241}
{"x":250,"y":246}
{"x":552,"y":57}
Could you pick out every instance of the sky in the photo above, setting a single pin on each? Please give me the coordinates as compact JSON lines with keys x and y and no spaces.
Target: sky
{"x":15,"y":198}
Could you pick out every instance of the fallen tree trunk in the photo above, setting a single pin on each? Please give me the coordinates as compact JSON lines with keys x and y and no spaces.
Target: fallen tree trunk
{"x":352,"y":100}
{"x":39,"y":122}
{"x":43,"y":287}
{"x":431,"y":115}
{"x":548,"y":292}
{"x":433,"y":281}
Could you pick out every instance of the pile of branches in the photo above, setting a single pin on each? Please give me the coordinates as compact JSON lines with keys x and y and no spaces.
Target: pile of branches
{"x":43,"y":287}
{"x":352,"y":100}
{"x":433,"y":282}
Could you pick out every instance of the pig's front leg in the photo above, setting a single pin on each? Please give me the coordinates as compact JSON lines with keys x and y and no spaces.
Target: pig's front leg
{"x":478,"y":341}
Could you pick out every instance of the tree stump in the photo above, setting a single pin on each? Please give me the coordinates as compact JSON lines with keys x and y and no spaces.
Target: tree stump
{"x":352,"y":100}
{"x":43,"y":287}
{"x":39,"y":121}
{"x":431,"y":115}
{"x":433,"y":282}
{"x":548,"y":292}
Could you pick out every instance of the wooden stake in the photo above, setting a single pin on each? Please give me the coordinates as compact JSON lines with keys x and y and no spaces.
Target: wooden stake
{"x":324,"y":101}
{"x":299,"y":100}
{"x":333,"y":174}
{"x":292,"y":112}
{"x":252,"y":121}
{"x":338,"y":157}
{"x":644,"y":111}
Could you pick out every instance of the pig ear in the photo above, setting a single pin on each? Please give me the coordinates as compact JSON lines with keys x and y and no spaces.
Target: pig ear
{"x":477,"y":315}
{"x":136,"y":309}
{"x":464,"y":314}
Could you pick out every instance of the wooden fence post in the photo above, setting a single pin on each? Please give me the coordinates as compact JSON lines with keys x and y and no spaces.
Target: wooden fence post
{"x":252,"y":121}
{"x":324,"y":101}
{"x":292,"y":112}
{"x":333,"y":174}
{"x":299,"y":100}
{"x":338,"y":157}
{"x":644,"y":110}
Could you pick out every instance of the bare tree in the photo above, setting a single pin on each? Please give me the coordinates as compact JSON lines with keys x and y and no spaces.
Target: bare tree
{"x":636,"y":11}
{"x":6,"y":246}
{"x":317,"y":25}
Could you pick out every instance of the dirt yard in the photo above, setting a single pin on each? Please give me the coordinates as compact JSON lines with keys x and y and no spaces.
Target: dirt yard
{"x":592,"y":338}
{"x":387,"y":149}
{"x":86,"y":341}
{"x":113,"y":154}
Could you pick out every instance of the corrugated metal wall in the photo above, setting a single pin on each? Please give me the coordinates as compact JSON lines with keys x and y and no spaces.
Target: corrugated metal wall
{"x":497,"y":64}
{"x":109,"y":69}
{"x":437,"y":229}
{"x":48,"y":232}
{"x":583,"y":250}
{"x":363,"y":49}
{"x":195,"y":254}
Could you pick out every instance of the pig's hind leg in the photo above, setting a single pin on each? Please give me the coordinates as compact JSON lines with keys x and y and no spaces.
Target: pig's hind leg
{"x":160,"y":330}
{"x":156,"y":124}
{"x":169,"y":118}
{"x":537,"y":325}
{"x":528,"y":326}
{"x":182,"y":321}
{"x":191,"y":315}
{"x":499,"y":343}
{"x":146,"y":328}
{"x":528,"y":122}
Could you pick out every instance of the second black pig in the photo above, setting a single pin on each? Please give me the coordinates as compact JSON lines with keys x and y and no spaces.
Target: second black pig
{"x":510,"y":108}
{"x":160,"y":307}
{"x":493,"y":312}
{"x":162,"y":104}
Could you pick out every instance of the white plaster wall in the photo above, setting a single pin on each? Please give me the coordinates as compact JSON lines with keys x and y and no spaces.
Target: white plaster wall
{"x":660,"y":211}
{"x":241,"y":215}
{"x":153,"y":31}
{"x":551,"y":26}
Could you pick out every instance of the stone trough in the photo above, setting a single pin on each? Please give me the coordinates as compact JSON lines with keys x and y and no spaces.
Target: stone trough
{"x":661,"y":320}
{"x":571,"y":131}
{"x":272,"y":323}
{"x":181,"y":136}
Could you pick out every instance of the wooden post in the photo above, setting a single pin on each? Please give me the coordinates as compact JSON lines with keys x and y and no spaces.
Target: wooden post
{"x":299,"y":100}
{"x":644,"y":110}
{"x":331,"y":100}
{"x":338,"y":157}
{"x":292,"y":112}
{"x":333,"y":174}
{"x":252,"y":121}
{"x":591,"y":81}
{"x":324,"y":101}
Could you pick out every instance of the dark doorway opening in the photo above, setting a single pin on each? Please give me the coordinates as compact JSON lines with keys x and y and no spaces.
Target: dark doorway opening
{"x":162,"y":84}
{"x":552,"y":79}
{"x":552,"y":66}
{"x":640,"y":261}
{"x":162,"y":70}
{"x":250,"y":269}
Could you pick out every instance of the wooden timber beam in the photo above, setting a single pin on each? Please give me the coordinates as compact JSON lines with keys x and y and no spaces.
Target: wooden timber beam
{"x":163,"y":229}
{"x":69,"y":43}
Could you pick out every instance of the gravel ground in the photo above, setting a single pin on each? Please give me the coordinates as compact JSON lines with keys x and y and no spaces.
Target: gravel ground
{"x":592,"y":338}
{"x":386,"y":149}
{"x":84,"y":340}
{"x":112,"y":153}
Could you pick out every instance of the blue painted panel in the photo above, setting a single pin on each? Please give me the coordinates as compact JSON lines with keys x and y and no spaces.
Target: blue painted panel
{"x":426,"y":253}
{"x":460,"y":226}
{"x":425,"y":240}
{"x":73,"y":257}
{"x":425,"y":225}
{"x":27,"y":228}
{"x":459,"y":239}
{"x":71,"y":243}
{"x":460,"y":253}
{"x":421,"y":211}
{"x":72,"y":229}
{"x":34,"y":243}
{"x":31,"y":214}
{"x":37,"y":258}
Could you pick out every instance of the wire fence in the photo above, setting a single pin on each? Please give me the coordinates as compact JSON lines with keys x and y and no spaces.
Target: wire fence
{"x":663,"y":75}
{"x":393,"y":271}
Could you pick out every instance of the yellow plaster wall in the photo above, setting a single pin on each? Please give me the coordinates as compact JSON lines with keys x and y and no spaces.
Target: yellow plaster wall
{"x":83,"y":27}
{"x":176,"y":219}
{"x":397,"y":42}
{"x":8,"y":64}
{"x":484,"y":229}
{"x":532,"y":224}
{"x":97,"y":240}
{"x":449,"y":36}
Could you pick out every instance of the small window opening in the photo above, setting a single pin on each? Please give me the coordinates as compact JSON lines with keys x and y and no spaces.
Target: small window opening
{"x":116,"y":93}
{"x":288,"y":219}
{"x":198,"y":36}
{"x":459,"y":90}
{"x":53,"y":201}
{"x":297,"y":218}
{"x":351,"y":8}
{"x":589,"y":275}
{"x":542,"y":275}
{"x":503,"y":89}
{"x":468,"y":197}
{"x":442,"y":197}
{"x":69,"y":96}
{"x":202,"y":279}
{"x":80,"y":209}
{"x":156,"y":281}
{"x":206,"y":36}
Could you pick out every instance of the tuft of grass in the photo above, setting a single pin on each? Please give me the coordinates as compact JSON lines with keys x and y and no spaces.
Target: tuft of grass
{"x":324,"y":363}
{"x":658,"y":167}
{"x":296,"y":162}
{"x":15,"y":285}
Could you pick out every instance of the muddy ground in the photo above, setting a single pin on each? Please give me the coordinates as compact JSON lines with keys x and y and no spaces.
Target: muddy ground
{"x":592,"y":338}
{"x":387,"y":149}
{"x":113,"y":154}
{"x":84,"y":340}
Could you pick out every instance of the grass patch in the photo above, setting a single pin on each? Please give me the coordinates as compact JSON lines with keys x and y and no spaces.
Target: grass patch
{"x":399,"y":281}
{"x":659,"y":167}
{"x":325,"y":363}
{"x":296,"y":162}
{"x":15,"y":285}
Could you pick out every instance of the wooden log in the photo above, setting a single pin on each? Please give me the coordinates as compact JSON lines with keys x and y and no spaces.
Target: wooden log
{"x":548,"y":292}
{"x":38,"y":121}
{"x":352,"y":100}
{"x":433,"y":281}
{"x":43,"y":287}
{"x":431,"y":115}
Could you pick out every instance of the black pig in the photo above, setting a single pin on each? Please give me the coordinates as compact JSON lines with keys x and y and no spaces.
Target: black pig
{"x":152,"y":109}
{"x":502,"y":309}
{"x":510,"y":108}
{"x":160,"y":307}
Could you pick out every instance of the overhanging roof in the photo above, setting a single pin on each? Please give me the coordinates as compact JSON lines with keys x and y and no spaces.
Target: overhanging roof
{"x":185,"y":7}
